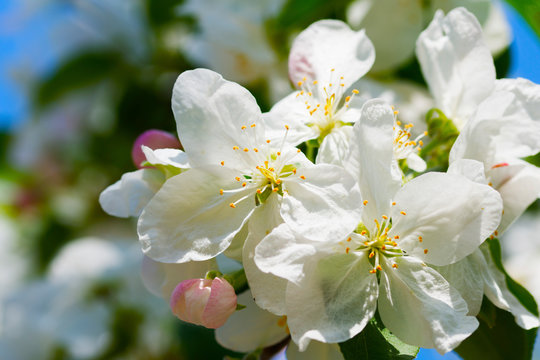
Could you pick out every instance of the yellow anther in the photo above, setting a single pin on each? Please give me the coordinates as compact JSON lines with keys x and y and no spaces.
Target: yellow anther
{"x":235,"y":148}
{"x":371,"y":254}
{"x":341,"y":77}
{"x":420,"y":239}
{"x":282,"y":321}
{"x":259,"y":191}
{"x":244,"y":184}
{"x":372,"y":271}
{"x":425,"y":251}
{"x":310,"y":93}
{"x":278,"y":153}
{"x":244,"y":127}
{"x":268,"y":141}
{"x":365,"y":202}
{"x":379,"y":267}
{"x":383,"y":247}
{"x":294,"y":170}
{"x":394,"y":265}
{"x":275,"y":189}
{"x":312,"y":111}
{"x":232,"y":205}
{"x":347,"y":99}
{"x":220,"y":191}
{"x":385,"y":217}
{"x":246,"y":149}
{"x":355,"y":91}
{"x":237,"y":178}
{"x":403,"y":213}
{"x":420,"y":142}
{"x":425,"y":133}
{"x":278,"y":181}
{"x":255,"y":149}
{"x":332,"y":69}
{"x":347,"y":250}
{"x":496,"y":233}
{"x":299,"y":83}
{"x":396,"y":112}
{"x":253,"y":125}
{"x":302,"y":177}
{"x":222,"y":163}
{"x":364,"y":232}
{"x":349,"y":239}
{"x":396,"y":237}
{"x":394,"y":203}
{"x":394,"y":243}
{"x":315,"y":82}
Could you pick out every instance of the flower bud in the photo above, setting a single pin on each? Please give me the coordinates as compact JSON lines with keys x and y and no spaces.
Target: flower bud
{"x":154,"y":139}
{"x":206,"y":302}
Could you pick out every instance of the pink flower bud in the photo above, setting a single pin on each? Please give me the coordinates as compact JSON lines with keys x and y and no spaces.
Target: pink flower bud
{"x":154,"y":139}
{"x":204,"y":302}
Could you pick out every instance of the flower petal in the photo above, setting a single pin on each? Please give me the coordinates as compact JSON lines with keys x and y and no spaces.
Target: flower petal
{"x":268,"y":289}
{"x":326,"y":45}
{"x":250,"y":328}
{"x":419,"y":306}
{"x":188,"y":219}
{"x":209,"y":113}
{"x":335,"y":147}
{"x":173,"y":157}
{"x":322,"y":203}
{"x":441,"y":218}
{"x":471,"y":169}
{"x":333,"y":303}
{"x":129,"y":195}
{"x":497,"y":292}
{"x":456,"y":63}
{"x":371,"y":161}
{"x":315,"y":351}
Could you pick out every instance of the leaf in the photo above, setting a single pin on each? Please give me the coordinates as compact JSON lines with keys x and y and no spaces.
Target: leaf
{"x":498,"y":337}
{"x":82,"y":70}
{"x":530,"y":11}
{"x":376,"y":342}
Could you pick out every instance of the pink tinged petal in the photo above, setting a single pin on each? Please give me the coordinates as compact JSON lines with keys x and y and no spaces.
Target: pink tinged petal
{"x":154,"y":139}
{"x":161,"y":278}
{"x":456,"y":63}
{"x":267,"y":289}
{"x":188,"y":219}
{"x":333,"y":303}
{"x":419,"y":306}
{"x":251,"y":328}
{"x":129,"y":195}
{"x":498,"y":293}
{"x":441,"y":218}
{"x":210,"y":113}
{"x":372,"y":161}
{"x":519,"y":186}
{"x":321,"y":202}
{"x":204,"y":302}
{"x":326,"y":45}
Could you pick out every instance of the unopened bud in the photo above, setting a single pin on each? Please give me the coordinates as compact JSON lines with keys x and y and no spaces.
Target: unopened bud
{"x":154,"y":139}
{"x":206,"y":302}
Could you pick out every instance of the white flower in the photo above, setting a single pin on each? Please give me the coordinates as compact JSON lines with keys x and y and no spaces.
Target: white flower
{"x":235,"y":168}
{"x":477,"y":274}
{"x":436,"y":218}
{"x":394,"y":25}
{"x":498,"y":119}
{"x":326,"y":59}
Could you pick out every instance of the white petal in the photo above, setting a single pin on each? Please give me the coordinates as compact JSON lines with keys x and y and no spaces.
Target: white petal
{"x":456,"y":63}
{"x":416,"y":163}
{"x":188,"y":219}
{"x":334,"y":302}
{"x":173,"y":157}
{"x":161,"y":278}
{"x":322,"y":206}
{"x":326,"y":45}
{"x":519,"y":186}
{"x":315,"y":351}
{"x":393,"y":26}
{"x":466,"y":277}
{"x":471,"y":169}
{"x":497,"y":292}
{"x":371,"y":160}
{"x":268,"y":290}
{"x":129,"y":195}
{"x":209,"y":113}
{"x":419,"y":306}
{"x":452,"y":214}
{"x":289,"y":111}
{"x":335,"y":148}
{"x":250,"y":328}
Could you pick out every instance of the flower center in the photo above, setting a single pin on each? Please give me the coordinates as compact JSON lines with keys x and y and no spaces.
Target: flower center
{"x":403,"y":145}
{"x":325,"y":103}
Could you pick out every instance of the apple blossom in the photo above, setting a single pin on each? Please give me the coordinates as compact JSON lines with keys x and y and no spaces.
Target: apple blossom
{"x":206,"y":302}
{"x":436,"y":218}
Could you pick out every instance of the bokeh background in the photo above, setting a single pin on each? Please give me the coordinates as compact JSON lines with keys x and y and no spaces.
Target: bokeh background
{"x":79,"y":81}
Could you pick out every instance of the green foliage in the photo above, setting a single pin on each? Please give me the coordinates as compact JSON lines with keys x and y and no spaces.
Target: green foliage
{"x":84,"y":69}
{"x":530,"y":10}
{"x":499,"y":337}
{"x":376,"y":342}
{"x":443,"y":134}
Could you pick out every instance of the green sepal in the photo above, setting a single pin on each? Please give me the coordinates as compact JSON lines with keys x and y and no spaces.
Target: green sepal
{"x":499,"y":337}
{"x":212,"y":274}
{"x":238,"y":280}
{"x":240,"y":307}
{"x":376,"y":342}
{"x":443,"y":134}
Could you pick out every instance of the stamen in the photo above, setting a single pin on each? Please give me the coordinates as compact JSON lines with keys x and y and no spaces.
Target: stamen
{"x":220,"y":191}
{"x":365,"y":202}
{"x":403,"y":213}
{"x":425,"y":251}
{"x":235,"y":148}
{"x":222,"y":163}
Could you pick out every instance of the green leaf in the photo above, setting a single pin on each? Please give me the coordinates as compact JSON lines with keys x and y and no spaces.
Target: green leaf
{"x":530,"y":10}
{"x":498,"y":336}
{"x":82,"y":70}
{"x":376,"y":342}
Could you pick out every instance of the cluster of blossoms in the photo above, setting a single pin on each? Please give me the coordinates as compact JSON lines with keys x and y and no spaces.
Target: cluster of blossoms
{"x":325,"y":200}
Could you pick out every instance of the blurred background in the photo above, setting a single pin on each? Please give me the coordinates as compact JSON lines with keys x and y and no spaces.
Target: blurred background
{"x":81,"y":79}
